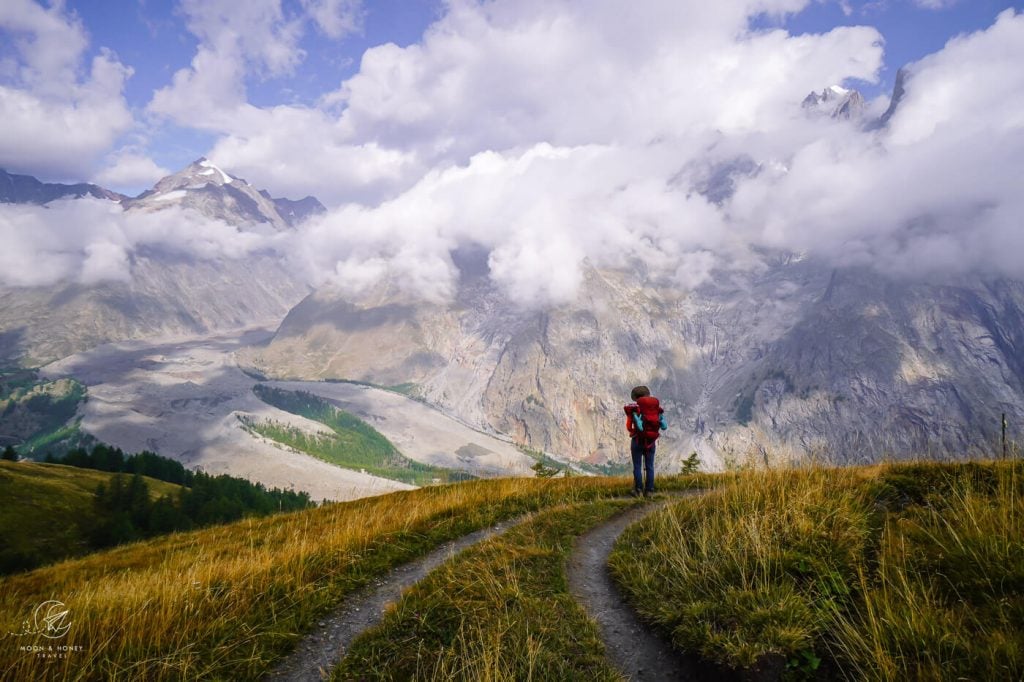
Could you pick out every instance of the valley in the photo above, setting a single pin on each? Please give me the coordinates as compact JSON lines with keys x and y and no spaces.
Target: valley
{"x":182,"y":397}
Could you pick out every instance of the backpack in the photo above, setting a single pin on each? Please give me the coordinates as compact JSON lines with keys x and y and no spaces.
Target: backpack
{"x":644,"y":419}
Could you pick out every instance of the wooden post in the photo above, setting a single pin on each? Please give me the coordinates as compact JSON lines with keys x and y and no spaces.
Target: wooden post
{"x":1004,"y":435}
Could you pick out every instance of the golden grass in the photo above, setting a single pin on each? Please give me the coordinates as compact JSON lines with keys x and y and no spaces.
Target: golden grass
{"x":225,"y":602}
{"x":946,"y":597}
{"x":890,"y":572}
{"x":501,"y":611}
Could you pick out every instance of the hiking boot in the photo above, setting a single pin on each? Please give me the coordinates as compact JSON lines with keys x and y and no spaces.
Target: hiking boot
{"x":648,"y":493}
{"x":636,"y":492}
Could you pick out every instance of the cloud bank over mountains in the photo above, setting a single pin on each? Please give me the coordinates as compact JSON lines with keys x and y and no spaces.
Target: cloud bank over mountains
{"x":551,"y":135}
{"x":91,"y":240}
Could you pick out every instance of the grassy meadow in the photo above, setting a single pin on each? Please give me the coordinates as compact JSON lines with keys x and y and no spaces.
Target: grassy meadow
{"x":894,"y":572}
{"x":891,"y":572}
{"x":226,"y":602}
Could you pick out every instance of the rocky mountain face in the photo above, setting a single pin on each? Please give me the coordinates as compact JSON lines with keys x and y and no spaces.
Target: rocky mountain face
{"x":835,"y":102}
{"x":205,"y":188}
{"x":294,"y":211}
{"x":25,"y":189}
{"x":794,"y":361}
{"x":169,"y":293}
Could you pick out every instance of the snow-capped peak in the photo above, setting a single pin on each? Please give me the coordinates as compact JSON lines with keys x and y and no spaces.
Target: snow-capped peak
{"x":838,"y":90}
{"x":211,"y":169}
{"x":204,"y":187}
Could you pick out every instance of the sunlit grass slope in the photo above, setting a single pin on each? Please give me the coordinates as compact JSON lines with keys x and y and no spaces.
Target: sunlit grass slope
{"x":45,"y":508}
{"x":911,"y":572}
{"x":500,"y":611}
{"x":226,"y":602}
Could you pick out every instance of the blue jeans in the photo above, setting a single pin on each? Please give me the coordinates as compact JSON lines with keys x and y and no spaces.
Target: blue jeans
{"x":642,"y":455}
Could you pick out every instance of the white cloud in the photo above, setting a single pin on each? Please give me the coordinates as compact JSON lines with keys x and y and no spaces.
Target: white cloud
{"x":503,"y":75}
{"x":56,"y":123}
{"x":91,"y":240}
{"x":935,"y":4}
{"x":129,"y":169}
{"x":234,"y":39}
{"x":551,"y":137}
{"x":336,"y":18}
{"x":566,"y":167}
{"x":935,"y":193}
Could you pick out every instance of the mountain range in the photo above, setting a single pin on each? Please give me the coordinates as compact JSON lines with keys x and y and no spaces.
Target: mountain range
{"x":792,"y":359}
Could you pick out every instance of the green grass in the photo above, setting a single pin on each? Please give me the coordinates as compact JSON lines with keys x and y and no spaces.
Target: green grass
{"x":46,"y":509}
{"x":352,"y":443}
{"x":911,"y":572}
{"x":499,"y":611}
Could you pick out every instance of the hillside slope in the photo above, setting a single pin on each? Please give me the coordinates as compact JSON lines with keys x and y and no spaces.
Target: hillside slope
{"x":46,"y":511}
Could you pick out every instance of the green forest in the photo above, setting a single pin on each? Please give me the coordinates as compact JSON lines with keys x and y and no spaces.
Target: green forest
{"x":132,"y":504}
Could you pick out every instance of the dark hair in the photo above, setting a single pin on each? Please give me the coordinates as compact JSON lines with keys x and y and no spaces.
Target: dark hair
{"x":639,"y":392}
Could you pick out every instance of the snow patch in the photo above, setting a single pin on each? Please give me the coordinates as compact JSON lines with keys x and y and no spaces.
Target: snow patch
{"x":225,"y":178}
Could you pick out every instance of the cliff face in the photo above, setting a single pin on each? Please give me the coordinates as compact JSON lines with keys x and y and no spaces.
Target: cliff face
{"x":789,"y":360}
{"x":167,"y":296}
{"x":878,"y":367}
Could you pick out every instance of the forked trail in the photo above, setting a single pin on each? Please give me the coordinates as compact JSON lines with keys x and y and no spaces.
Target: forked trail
{"x":631,"y":646}
{"x":320,"y":651}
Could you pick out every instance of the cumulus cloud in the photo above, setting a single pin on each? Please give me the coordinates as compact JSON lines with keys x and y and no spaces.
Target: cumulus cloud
{"x":554,"y":137}
{"x":91,"y":240}
{"x":130,"y":169}
{"x":55,"y":122}
{"x":603,"y":177}
{"x":501,"y":75}
{"x":234,"y":39}
{"x":935,"y":192}
{"x":237,"y":40}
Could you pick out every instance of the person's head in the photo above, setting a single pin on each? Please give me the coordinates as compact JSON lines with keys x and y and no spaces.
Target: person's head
{"x":639,"y":392}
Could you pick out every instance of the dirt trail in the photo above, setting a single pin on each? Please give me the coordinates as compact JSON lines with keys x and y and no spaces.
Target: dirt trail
{"x":320,"y":651}
{"x":631,"y":646}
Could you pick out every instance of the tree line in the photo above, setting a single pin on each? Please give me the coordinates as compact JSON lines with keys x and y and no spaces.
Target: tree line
{"x":124,"y":509}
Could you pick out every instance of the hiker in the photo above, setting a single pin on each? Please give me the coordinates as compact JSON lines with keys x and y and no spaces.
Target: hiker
{"x":645,"y":420}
